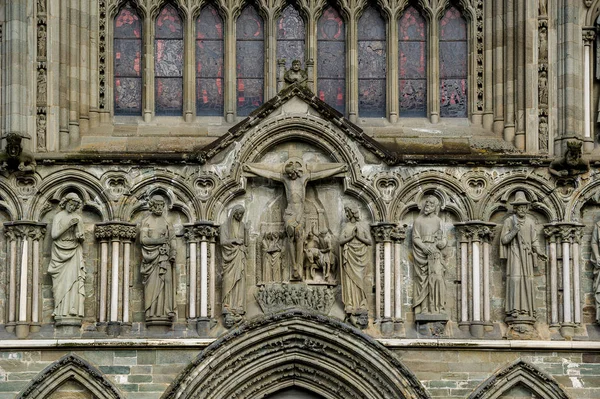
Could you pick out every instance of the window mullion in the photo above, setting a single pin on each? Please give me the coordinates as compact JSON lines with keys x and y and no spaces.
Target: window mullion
{"x":189,"y":77}
{"x":230,"y":72}
{"x":392,"y":75}
{"x":433,"y":72}
{"x":148,"y":81}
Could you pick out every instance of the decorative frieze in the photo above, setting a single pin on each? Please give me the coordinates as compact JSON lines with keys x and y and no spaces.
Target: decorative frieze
{"x":42,"y":79}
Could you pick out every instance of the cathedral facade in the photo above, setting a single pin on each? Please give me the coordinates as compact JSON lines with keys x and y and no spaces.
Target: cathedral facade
{"x":299,"y":199}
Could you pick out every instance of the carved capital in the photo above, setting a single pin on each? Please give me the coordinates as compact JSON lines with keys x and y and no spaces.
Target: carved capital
{"x":589,"y":35}
{"x":399,"y":233}
{"x":383,"y":232}
{"x":200,"y":231}
{"x":115,"y":231}
{"x":24,"y":229}
{"x":564,"y":232}
{"x":476,"y":230}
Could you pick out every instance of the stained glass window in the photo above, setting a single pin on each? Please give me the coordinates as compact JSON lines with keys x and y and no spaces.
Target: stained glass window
{"x":453,"y":64}
{"x":290,"y":36}
{"x":249,"y":61}
{"x":209,"y":62}
{"x":412,"y":64}
{"x":372,"y":66}
{"x":127,"y":62}
{"x":331,"y":59}
{"x":168,"y":62}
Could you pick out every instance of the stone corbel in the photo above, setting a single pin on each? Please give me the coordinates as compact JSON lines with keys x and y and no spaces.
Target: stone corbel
{"x":200,"y":237}
{"x":23,"y":238}
{"x":567,"y":238}
{"x":120,"y":235}
{"x":475,"y":247}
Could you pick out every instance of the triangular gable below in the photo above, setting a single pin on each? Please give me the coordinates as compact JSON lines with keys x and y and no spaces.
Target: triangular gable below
{"x":324,"y":110}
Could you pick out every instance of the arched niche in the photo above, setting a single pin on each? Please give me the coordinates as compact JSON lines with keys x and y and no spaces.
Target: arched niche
{"x":520,"y":375}
{"x":178,"y":212}
{"x":70,"y":368}
{"x":296,"y":349}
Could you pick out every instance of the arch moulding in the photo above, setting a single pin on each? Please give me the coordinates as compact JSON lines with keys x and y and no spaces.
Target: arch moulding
{"x":298,"y":349}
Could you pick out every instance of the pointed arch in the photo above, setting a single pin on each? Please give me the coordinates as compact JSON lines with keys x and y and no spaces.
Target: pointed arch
{"x":300,"y":349}
{"x":70,"y":367}
{"x":519,"y":372}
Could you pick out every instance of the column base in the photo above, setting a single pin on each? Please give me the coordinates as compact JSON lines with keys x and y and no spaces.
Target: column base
{"x":567,"y":330}
{"x":22,"y":329}
{"x":35,"y":327}
{"x":477,"y":329}
{"x":203,"y":326}
{"x":10,"y":327}
{"x":399,"y":330}
{"x":464,"y":326}
{"x":113,"y":328}
{"x":386,"y":326}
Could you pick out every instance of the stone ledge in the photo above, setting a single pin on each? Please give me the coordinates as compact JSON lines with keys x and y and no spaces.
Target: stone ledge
{"x":449,"y":344}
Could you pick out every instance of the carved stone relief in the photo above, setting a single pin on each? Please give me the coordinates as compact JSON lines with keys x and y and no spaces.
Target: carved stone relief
{"x":521,"y":249}
{"x":66,"y":265}
{"x":157,"y":238}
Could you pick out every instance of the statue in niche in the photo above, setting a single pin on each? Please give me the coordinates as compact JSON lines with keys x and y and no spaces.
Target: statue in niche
{"x":596,"y":264}
{"x":295,"y":175}
{"x":157,"y":238}
{"x":520,"y":247}
{"x":572,"y":164}
{"x":15,"y":157}
{"x":234,"y":240}
{"x":429,"y":244}
{"x":295,"y":74}
{"x":271,"y":247}
{"x":355,"y":240}
{"x":66,"y":266}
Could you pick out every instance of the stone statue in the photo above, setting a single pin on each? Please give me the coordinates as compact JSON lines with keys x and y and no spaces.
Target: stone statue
{"x":519,"y":246}
{"x":295,"y":175}
{"x":429,"y":242}
{"x":596,"y":264}
{"x":355,"y":240}
{"x":158,"y":257}
{"x":233,"y":249}
{"x":66,"y":266}
{"x":572,"y":164}
{"x":15,"y":157}
{"x":271,"y":247}
{"x":295,"y":74}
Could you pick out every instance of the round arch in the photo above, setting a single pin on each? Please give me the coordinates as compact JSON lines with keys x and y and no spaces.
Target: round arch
{"x":299,"y":349}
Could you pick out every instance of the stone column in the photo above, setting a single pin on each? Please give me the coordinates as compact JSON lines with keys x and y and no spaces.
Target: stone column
{"x":388,"y":238}
{"x":589,"y":36}
{"x":120,"y":235}
{"x":476,"y":237}
{"x":498,"y":66}
{"x":200,"y":237}
{"x":569,"y":235}
{"x":16,"y":79}
{"x":23,"y":278}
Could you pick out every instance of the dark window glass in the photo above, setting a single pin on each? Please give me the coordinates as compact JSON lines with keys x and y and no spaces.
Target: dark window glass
{"x":209,"y":62}
{"x":331,"y":59}
{"x":453,"y":64}
{"x":127,"y":62}
{"x":250,"y":61}
{"x":412,"y":64}
{"x":290,"y":36}
{"x":168,"y":62}
{"x":372,"y":66}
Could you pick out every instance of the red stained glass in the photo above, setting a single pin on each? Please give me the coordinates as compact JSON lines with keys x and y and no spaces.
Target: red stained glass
{"x":168,"y":62}
{"x":209,"y":62}
{"x":249,"y":61}
{"x":453,"y":64}
{"x":331,"y":59}
{"x":372,"y":65}
{"x":412,"y":64}
{"x":127,"y":48}
{"x":290,"y":36}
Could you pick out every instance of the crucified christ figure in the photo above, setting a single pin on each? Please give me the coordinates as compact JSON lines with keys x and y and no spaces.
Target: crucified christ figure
{"x":295,"y":174}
